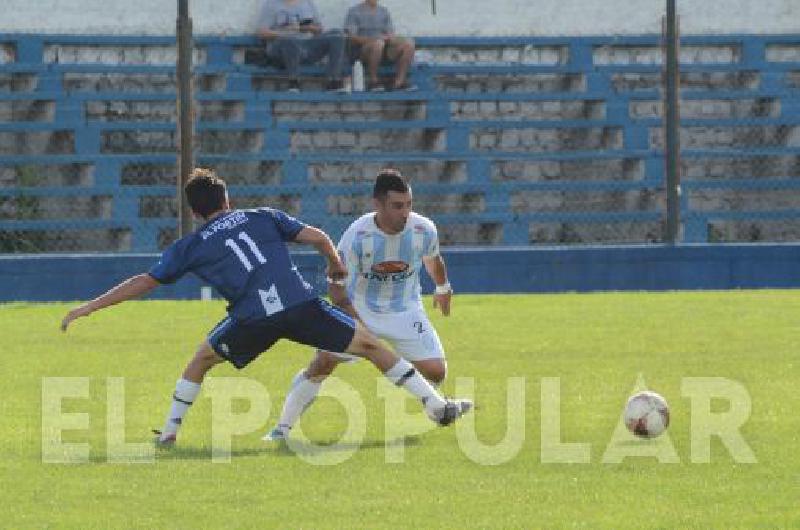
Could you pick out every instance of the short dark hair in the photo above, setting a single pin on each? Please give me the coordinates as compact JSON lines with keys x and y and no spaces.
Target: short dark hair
{"x":389,"y":179}
{"x":205,"y":192}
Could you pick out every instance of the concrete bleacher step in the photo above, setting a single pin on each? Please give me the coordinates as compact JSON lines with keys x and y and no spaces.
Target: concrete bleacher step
{"x":367,"y":141}
{"x":17,"y":82}
{"x":711,"y":108}
{"x":59,"y":175}
{"x":37,"y":142}
{"x":785,"y":136}
{"x":61,"y":240}
{"x":784,"y":230}
{"x":732,"y":200}
{"x":545,"y":140}
{"x":27,"y":110}
{"x":497,"y":53}
{"x":643,"y":200}
{"x":59,"y":208}
{"x":423,"y":171}
{"x":627,"y":54}
{"x":527,"y":110}
{"x":510,"y":82}
{"x":349,"y":110}
{"x":165,"y":53}
{"x":725,"y":80}
{"x":137,"y":82}
{"x":740,"y":166}
{"x":237,"y":173}
{"x":565,"y":170}
{"x":575,"y":233}
{"x":131,"y":111}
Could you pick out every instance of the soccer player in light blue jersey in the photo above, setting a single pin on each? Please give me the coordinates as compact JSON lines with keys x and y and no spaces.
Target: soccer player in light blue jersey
{"x":243,"y":254}
{"x":384,"y":252}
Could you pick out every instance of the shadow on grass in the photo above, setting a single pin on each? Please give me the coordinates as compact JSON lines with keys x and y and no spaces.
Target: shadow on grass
{"x":319,"y":447}
{"x":292,"y":448}
{"x":638,"y":442}
{"x":205,"y":453}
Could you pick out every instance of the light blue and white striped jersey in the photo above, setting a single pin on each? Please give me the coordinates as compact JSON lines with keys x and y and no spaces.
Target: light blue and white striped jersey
{"x":383,"y":270}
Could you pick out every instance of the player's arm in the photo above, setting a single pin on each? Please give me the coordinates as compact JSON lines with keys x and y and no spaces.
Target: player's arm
{"x":318,"y":239}
{"x":336,"y":277}
{"x":438,"y":273}
{"x":337,"y":288}
{"x":133,"y":287}
{"x":338,"y":294}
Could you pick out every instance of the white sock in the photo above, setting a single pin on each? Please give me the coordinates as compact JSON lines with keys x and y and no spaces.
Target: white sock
{"x":184,"y":396}
{"x":301,"y":394}
{"x":404,"y":374}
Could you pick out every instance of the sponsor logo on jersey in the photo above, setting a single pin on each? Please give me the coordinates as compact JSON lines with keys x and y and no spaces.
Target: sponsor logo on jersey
{"x":389,"y":267}
{"x":386,"y":271}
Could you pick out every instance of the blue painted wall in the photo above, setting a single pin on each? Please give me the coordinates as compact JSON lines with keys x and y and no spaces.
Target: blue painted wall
{"x":524,"y":270}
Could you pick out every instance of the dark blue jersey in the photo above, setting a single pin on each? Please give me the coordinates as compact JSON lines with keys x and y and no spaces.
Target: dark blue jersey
{"x":244,"y":256}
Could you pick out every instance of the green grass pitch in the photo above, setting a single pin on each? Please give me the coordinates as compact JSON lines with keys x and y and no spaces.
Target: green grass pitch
{"x":597,"y":344}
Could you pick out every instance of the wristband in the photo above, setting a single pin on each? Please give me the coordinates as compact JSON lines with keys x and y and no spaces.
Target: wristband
{"x":443,"y":289}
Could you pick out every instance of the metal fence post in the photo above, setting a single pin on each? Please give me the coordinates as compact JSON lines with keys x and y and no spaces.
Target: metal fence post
{"x":185,"y":113}
{"x":672,"y":125}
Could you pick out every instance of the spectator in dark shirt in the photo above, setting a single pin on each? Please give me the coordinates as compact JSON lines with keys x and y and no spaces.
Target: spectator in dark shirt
{"x":294,"y":36}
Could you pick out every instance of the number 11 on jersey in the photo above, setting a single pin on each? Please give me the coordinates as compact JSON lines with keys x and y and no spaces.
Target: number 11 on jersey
{"x":240,"y":253}
{"x":269,"y":299}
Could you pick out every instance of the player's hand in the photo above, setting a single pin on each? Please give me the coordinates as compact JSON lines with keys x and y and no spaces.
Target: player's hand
{"x":336,"y":271}
{"x":442,"y":301}
{"x":80,"y":311}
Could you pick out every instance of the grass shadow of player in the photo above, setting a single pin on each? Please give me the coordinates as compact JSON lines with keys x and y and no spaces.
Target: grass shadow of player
{"x":322,"y":447}
{"x":206,"y":453}
{"x":316,"y":447}
{"x":638,"y":442}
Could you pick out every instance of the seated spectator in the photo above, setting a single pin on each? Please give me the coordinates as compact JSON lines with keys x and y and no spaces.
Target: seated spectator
{"x":372,"y":39}
{"x":294,"y":36}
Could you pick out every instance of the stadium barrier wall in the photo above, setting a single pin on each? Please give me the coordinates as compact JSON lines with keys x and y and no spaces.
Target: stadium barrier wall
{"x":506,"y":270}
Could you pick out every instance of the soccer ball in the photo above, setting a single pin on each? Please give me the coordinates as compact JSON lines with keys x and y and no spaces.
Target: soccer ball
{"x":646,"y":414}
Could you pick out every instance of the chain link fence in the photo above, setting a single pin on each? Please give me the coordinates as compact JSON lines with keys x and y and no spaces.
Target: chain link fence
{"x":741,"y":147}
{"x":529,"y":142}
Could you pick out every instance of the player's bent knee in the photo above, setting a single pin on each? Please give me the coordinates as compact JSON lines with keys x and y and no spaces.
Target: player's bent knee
{"x":433,"y":371}
{"x":207,"y":356}
{"x":364,"y":344}
{"x":436,"y":375}
{"x":321,"y":367}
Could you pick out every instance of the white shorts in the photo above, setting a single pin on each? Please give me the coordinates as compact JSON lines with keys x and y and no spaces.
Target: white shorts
{"x":410,"y":333}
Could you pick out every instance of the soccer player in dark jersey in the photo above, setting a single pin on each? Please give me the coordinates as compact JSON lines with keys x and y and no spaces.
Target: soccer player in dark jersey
{"x":244,"y":255}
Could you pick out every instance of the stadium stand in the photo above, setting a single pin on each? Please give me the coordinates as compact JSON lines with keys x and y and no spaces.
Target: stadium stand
{"x":509,"y":141}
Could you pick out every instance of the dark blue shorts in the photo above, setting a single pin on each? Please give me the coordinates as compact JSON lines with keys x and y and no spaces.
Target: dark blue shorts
{"x":314,"y":323}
